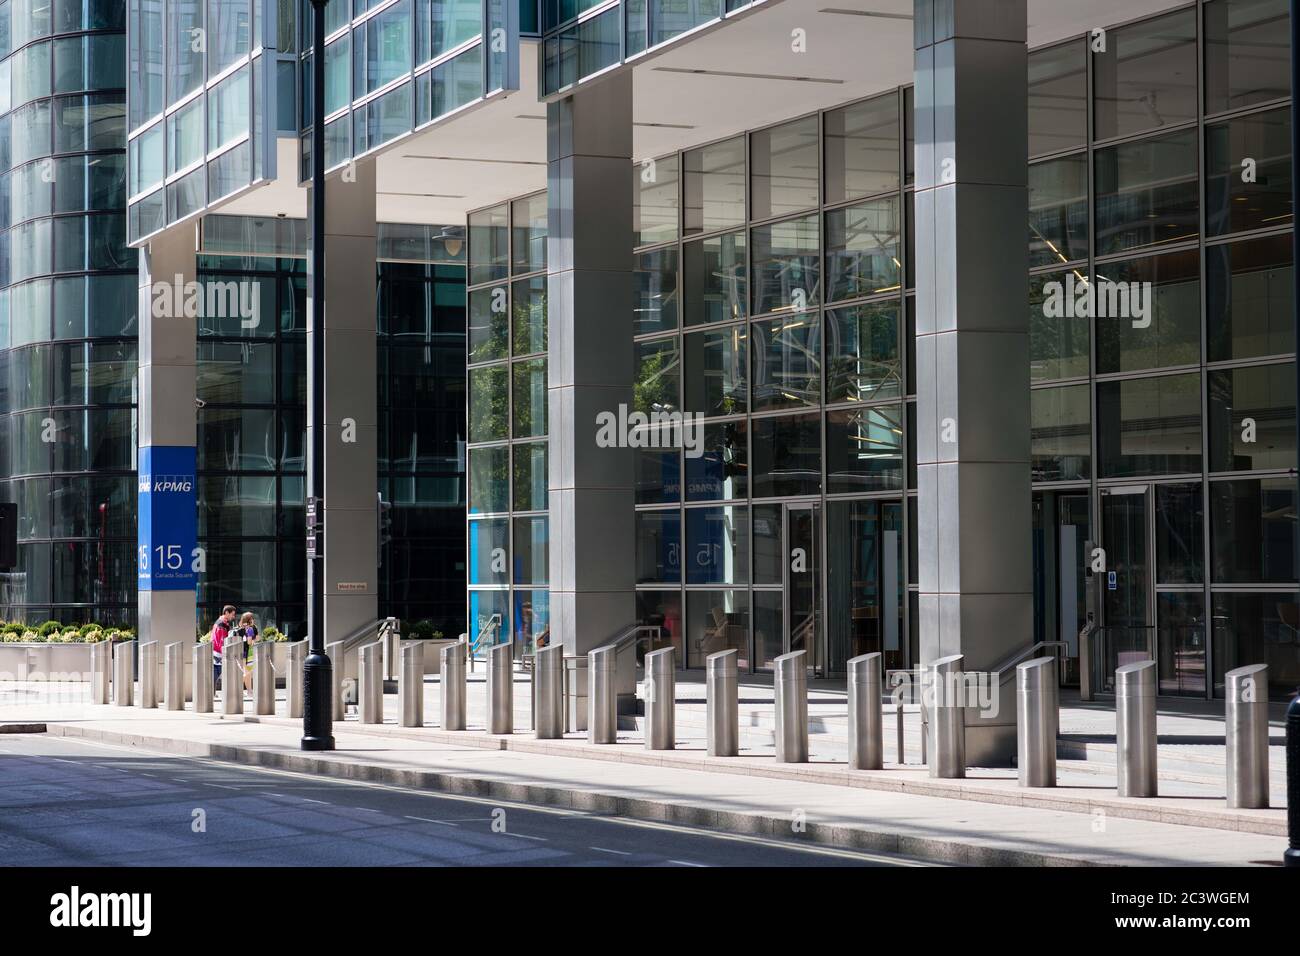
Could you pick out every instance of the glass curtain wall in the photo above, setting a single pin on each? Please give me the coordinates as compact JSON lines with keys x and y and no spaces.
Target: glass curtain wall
{"x":507,"y":543}
{"x":67,"y":312}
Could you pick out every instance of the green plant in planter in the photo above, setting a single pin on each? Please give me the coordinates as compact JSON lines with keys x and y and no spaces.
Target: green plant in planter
{"x":272,"y":634}
{"x":88,"y":627}
{"x":92,"y":637}
{"x":50,"y":627}
{"x":14,"y":628}
{"x":128,"y":634}
{"x":423,"y":630}
{"x":32,"y":637}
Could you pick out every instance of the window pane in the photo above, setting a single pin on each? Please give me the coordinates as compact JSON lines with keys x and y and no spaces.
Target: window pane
{"x":532,"y":619}
{"x":1252,"y":418}
{"x":1248,"y":299}
{"x":787,"y":266}
{"x":1180,"y":520}
{"x":658,"y":475}
{"x":529,"y":305}
{"x":1250,"y":628}
{"x":1253,"y":531}
{"x":769,"y":628}
{"x":1058,"y":98}
{"x":530,"y":404}
{"x":528,"y":244}
{"x":1147,"y":76}
{"x":662,"y":609}
{"x":1247,"y":53}
{"x":783,"y":169}
{"x":865,"y":596}
{"x":658,"y":366}
{"x":1149,"y":426}
{"x":862,"y":149}
{"x":658,"y":547}
{"x":1060,"y":433}
{"x":717,"y":545}
{"x":787,"y":362}
{"x":531,"y":550}
{"x":654,"y":201}
{"x":1170,"y":332}
{"x":714,"y":277}
{"x":862,"y":355}
{"x":717,"y":621}
{"x":530,"y":476}
{"x":1058,"y":342}
{"x":1058,"y":211}
{"x":721,"y":472}
{"x":488,"y":480}
{"x":488,"y":403}
{"x":715,"y":186}
{"x":655,"y":276}
{"x":787,"y":456}
{"x":1146,"y":192}
{"x":716,"y":371}
{"x":488,"y":244}
{"x":862,"y":249}
{"x":488,"y":551}
{"x":1231,"y":203}
{"x":864,"y":449}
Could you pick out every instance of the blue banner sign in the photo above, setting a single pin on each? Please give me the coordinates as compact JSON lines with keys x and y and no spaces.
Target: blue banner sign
{"x":168,"y":519}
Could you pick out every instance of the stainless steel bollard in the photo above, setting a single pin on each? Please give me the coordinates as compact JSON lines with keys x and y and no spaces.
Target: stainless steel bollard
{"x":575,"y":694}
{"x":124,"y":673}
{"x":1247,"y":735}
{"x":790,"y":682}
{"x":370,"y":684}
{"x":338,"y":671}
{"x":548,"y":692}
{"x":232,"y":677}
{"x":602,"y":696}
{"x":722,"y":702}
{"x":149,"y":675}
{"x":263,"y":678}
{"x":1135,"y":729}
{"x":501,"y":689}
{"x":1038,"y":718}
{"x":898,"y":727}
{"x":451,"y":663}
{"x":173,"y":677}
{"x":947,"y":746}
{"x":204,"y":677}
{"x":410,"y":686}
{"x":866,"y":719}
{"x":293,"y":681}
{"x":660,"y":700}
{"x":100,"y":658}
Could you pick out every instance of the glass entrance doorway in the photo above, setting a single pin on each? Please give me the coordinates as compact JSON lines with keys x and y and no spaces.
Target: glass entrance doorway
{"x":803,"y":630}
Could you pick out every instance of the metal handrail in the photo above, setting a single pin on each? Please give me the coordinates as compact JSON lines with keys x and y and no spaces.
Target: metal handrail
{"x":1027,"y":652}
{"x":383,"y":626}
{"x":493,"y":624}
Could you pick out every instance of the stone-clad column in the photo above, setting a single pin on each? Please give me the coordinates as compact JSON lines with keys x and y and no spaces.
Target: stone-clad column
{"x":972,"y":340}
{"x":589,"y":302}
{"x":351,"y":417}
{"x":167,"y":511}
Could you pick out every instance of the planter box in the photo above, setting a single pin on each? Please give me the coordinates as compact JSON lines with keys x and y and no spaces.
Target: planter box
{"x":44,"y":661}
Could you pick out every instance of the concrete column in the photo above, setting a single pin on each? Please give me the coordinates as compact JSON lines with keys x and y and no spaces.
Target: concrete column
{"x":167,"y":504}
{"x":589,"y":256}
{"x":972,"y":345}
{"x":351,"y":440}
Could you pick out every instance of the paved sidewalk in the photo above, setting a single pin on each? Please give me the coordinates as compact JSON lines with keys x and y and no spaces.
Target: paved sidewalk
{"x":907,"y":819}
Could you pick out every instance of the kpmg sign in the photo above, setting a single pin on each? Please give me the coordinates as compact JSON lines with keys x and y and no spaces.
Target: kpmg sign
{"x":168,"y":524}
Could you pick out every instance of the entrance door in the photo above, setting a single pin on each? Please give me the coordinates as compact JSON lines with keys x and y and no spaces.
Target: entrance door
{"x":803,"y":630}
{"x":1126,"y":582}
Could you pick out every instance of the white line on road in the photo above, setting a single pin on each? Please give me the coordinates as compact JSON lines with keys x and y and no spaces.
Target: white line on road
{"x":687,"y":863}
{"x":525,"y":836}
{"x":443,"y":823}
{"x":310,"y":800}
{"x":601,"y":849}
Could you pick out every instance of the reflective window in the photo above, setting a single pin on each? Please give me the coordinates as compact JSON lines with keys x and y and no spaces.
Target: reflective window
{"x":1146,"y":78}
{"x":862,"y":355}
{"x":1058,"y":211}
{"x":721,"y":470}
{"x":1250,"y":628}
{"x":715,"y":186}
{"x":1180,"y":519}
{"x":787,"y":266}
{"x":1252,"y":533}
{"x":1058,"y":98}
{"x":787,"y":362}
{"x":718,"y":621}
{"x":1146,"y":192}
{"x":1248,"y":295}
{"x":658,"y":475}
{"x":488,"y":318}
{"x":528,"y":302}
{"x":531,"y":551}
{"x":655,"y":277}
{"x":1060,"y":434}
{"x":489,"y":480}
{"x":1161,"y":324}
{"x":658,"y":368}
{"x":530,"y":403}
{"x":530,"y":476}
{"x":1247,"y":53}
{"x":1058,"y":336}
{"x":488,"y":245}
{"x":783,"y":169}
{"x":1248,"y":173}
{"x":716,"y":373}
{"x":1252,"y":417}
{"x":528,"y":242}
{"x":717,"y":545}
{"x":654,"y":200}
{"x":1149,"y":426}
{"x":714,"y":279}
{"x":787,"y":456}
{"x":488,"y":403}
{"x":863,"y":249}
{"x":864,"y":449}
{"x":658,"y":547}
{"x":862,"y":156}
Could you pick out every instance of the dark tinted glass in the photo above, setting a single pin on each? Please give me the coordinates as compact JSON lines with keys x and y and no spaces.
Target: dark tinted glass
{"x":1058,"y":98}
{"x":1252,"y":417}
{"x":1248,"y":173}
{"x":1247,"y":53}
{"x":1058,"y":211}
{"x":1146,"y":192}
{"x":1146,"y":78}
{"x":1248,"y":298}
{"x":1253,"y":531}
{"x":1149,"y":426}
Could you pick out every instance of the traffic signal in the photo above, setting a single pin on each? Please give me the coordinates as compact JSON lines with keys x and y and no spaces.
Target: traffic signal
{"x":383,"y":527}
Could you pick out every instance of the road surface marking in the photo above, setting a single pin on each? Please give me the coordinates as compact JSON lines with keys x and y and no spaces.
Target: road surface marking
{"x":601,"y":849}
{"x":443,"y":823}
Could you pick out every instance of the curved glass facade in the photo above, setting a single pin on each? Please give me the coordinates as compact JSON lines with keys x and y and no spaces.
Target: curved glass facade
{"x":68,"y":302}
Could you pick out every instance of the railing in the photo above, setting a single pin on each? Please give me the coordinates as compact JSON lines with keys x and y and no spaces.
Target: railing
{"x":492,"y":626}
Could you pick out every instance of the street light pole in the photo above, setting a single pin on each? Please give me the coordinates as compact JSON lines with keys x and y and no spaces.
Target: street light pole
{"x":317,"y":705}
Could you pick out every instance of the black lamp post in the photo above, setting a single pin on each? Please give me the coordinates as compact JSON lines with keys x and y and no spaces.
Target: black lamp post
{"x":317,"y":705}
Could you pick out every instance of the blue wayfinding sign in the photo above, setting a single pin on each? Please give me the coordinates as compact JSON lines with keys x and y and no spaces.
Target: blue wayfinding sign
{"x":168,"y":521}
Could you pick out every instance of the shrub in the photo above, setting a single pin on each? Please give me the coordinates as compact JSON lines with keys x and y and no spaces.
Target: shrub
{"x":14,"y":628}
{"x":128,"y":633}
{"x":32,"y":637}
{"x":88,"y":627}
{"x":50,"y":627}
{"x":273,"y":634}
{"x":423,"y":630}
{"x":93,"y":637}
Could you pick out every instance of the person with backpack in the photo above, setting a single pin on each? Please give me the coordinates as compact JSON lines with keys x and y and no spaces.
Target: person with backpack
{"x":221,"y":631}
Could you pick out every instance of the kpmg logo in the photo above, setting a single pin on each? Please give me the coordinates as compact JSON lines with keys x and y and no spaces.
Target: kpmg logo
{"x":161,"y":483}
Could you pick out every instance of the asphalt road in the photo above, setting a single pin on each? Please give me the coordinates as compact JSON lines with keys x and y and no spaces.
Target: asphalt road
{"x":68,"y":802}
